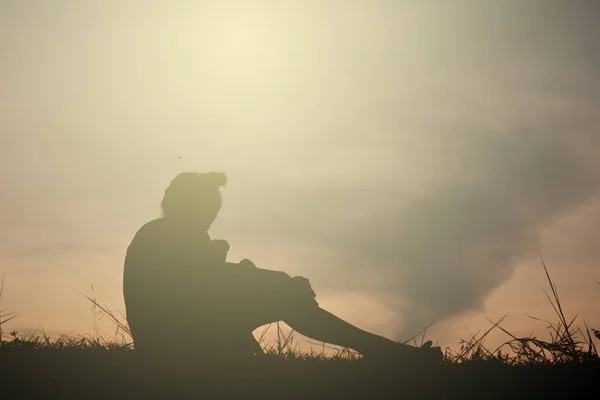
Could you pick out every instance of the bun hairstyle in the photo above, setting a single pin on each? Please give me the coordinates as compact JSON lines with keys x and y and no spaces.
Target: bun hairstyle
{"x":217,"y":179}
{"x":193,"y":193}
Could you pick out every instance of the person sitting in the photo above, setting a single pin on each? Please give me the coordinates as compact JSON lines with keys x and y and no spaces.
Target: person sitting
{"x":182,"y":297}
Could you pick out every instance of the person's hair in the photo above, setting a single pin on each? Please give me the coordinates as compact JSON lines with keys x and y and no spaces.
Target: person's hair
{"x":194,"y":194}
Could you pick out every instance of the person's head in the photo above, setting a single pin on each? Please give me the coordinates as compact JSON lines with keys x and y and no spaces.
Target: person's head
{"x":194,"y":199}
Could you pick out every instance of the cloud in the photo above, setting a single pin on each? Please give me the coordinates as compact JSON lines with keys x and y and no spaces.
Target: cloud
{"x":442,"y":252}
{"x":452,"y":247}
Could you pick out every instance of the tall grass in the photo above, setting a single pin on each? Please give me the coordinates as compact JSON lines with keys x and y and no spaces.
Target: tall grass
{"x":4,"y":316}
{"x":568,"y":343}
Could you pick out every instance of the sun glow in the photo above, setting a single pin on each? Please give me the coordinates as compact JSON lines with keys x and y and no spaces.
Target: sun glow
{"x":242,"y":43}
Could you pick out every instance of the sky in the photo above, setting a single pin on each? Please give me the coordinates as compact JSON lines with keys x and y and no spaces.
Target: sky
{"x":412,"y":159}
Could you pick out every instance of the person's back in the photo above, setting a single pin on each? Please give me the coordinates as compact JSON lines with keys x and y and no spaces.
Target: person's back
{"x":166,"y":285}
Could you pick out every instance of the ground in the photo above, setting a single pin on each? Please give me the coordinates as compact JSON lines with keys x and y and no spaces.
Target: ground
{"x":28,"y":371}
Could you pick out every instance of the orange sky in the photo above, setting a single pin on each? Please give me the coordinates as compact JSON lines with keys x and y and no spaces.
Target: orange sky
{"x":410,"y":160}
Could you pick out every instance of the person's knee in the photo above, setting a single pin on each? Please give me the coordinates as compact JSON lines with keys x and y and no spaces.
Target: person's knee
{"x":247,"y":263}
{"x":302,"y":289}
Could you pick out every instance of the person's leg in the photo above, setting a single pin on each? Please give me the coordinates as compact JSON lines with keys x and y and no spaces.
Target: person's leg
{"x":262,"y":296}
{"x":319,"y":324}
{"x":304,"y":315}
{"x":274,"y":296}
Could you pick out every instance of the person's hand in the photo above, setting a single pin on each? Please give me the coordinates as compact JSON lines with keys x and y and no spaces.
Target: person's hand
{"x":220,"y":247}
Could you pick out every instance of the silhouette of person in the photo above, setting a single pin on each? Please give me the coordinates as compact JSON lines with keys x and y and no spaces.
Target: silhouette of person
{"x":182,"y":297}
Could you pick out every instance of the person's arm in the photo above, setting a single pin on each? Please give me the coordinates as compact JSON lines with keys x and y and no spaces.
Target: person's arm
{"x":220,"y":249}
{"x":247,"y":271}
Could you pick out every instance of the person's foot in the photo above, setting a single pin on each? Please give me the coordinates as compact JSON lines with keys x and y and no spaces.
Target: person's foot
{"x":401,"y":353}
{"x":431,"y":353}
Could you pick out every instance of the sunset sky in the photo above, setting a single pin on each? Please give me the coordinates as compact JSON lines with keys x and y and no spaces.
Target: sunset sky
{"x":410,"y":158}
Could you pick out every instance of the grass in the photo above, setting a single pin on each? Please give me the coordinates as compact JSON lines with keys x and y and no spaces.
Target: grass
{"x":565,"y":365}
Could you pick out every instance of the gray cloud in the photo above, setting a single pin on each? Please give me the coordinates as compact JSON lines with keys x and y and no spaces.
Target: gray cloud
{"x":442,"y":252}
{"x":448,"y":250}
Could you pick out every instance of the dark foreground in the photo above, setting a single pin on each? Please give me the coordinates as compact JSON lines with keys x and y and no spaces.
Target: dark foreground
{"x":108,"y":374}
